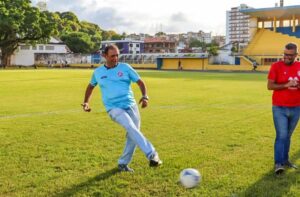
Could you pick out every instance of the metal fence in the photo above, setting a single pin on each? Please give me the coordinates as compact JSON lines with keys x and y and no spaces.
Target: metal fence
{"x":150,"y":58}
{"x":47,"y":58}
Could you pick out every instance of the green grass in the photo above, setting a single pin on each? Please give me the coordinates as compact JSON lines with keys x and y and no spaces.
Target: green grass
{"x":218,"y":123}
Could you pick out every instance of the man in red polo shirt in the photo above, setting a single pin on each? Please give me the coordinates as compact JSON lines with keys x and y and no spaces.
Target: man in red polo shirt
{"x":283,"y":79}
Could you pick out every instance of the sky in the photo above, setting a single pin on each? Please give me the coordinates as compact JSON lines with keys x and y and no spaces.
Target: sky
{"x":151,"y":16}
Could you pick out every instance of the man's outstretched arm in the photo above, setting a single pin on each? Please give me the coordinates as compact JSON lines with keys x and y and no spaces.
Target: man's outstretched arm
{"x":87,"y":96}
{"x":144,"y":99}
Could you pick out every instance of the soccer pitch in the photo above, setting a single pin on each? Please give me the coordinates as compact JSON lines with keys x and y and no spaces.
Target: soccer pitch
{"x":218,"y":123}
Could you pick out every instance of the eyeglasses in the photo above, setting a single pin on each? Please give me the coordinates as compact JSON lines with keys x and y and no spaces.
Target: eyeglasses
{"x":289,"y":55}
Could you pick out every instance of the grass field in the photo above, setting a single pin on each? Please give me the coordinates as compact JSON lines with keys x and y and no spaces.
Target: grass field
{"x":218,"y":123}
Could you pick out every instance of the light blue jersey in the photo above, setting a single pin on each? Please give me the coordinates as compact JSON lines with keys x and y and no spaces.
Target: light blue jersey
{"x":115,"y":86}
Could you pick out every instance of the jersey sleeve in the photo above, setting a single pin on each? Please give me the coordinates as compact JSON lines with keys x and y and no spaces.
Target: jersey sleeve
{"x":93,"y":80}
{"x":133,"y":75}
{"x":272,"y":72}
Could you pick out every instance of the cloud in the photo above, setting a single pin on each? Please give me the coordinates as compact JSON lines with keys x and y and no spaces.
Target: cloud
{"x":109,"y":18}
{"x":178,"y":17}
{"x":180,"y":22}
{"x":141,"y":16}
{"x":129,"y":17}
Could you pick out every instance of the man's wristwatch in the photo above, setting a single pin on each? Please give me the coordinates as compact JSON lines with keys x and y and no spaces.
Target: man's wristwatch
{"x":145,"y":97}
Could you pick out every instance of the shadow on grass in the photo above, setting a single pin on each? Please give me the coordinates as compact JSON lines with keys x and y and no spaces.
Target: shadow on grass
{"x":76,"y":188}
{"x":274,"y":185}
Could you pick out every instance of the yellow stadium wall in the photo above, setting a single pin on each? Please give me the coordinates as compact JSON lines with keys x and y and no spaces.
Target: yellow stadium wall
{"x":145,"y":66}
{"x":245,"y":62}
{"x":84,"y":65}
{"x":196,"y":64}
{"x":186,"y":63}
{"x":263,"y":68}
{"x":236,"y":68}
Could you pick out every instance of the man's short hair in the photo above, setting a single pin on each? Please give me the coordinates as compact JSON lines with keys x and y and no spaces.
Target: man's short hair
{"x":292,"y":46}
{"x":109,"y":47}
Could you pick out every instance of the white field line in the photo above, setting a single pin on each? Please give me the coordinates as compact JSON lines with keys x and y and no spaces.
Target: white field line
{"x":40,"y":114}
{"x":176,"y":107}
{"x":215,"y":106}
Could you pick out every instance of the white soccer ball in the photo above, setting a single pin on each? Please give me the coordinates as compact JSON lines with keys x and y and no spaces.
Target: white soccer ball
{"x":190,"y":177}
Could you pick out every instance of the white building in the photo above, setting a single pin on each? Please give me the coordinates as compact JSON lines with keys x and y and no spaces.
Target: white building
{"x":201,"y":36}
{"x":180,"y":46}
{"x":25,"y":54}
{"x":206,"y":37}
{"x":238,"y":26}
{"x":127,"y":46}
{"x":220,"y":40}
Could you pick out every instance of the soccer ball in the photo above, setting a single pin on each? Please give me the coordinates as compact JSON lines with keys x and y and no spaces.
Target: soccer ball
{"x":190,"y":177}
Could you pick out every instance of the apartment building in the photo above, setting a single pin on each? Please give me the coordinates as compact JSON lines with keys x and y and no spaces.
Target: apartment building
{"x":159,"y":45}
{"x":238,"y":26}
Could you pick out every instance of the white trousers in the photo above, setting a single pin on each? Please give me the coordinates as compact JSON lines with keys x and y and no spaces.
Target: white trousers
{"x":130,"y":120}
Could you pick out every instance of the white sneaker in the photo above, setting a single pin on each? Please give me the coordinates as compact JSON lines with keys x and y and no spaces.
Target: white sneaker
{"x":154,"y":160}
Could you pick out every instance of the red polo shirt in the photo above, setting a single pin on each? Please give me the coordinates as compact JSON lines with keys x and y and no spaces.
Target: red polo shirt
{"x":282,"y":73}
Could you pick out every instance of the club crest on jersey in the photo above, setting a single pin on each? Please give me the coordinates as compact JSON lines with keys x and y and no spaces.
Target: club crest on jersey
{"x":293,"y":79}
{"x":120,"y":74}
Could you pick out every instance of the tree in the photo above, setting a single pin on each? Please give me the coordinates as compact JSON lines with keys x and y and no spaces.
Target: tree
{"x":111,"y":35}
{"x":21,"y":23}
{"x":69,"y":16}
{"x":97,"y":41}
{"x":124,"y":35}
{"x":196,"y":43}
{"x":160,"y":34}
{"x":94,"y":32}
{"x":89,"y":34}
{"x":117,"y":37}
{"x":70,"y":26}
{"x":213,"y":50}
{"x":234,"y":49}
{"x":55,"y":19}
{"x":90,"y":28}
{"x":79,"y":42}
{"x":106,"y":35}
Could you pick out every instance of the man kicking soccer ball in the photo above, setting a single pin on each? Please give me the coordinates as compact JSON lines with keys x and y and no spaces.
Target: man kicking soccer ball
{"x":114,"y":80}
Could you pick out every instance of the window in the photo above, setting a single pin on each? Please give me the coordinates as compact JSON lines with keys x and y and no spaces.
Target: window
{"x":25,"y":47}
{"x":41,"y":48}
{"x":50,"y":48}
{"x":269,"y":61}
{"x":137,"y":45}
{"x":130,"y":45}
{"x":34,"y":47}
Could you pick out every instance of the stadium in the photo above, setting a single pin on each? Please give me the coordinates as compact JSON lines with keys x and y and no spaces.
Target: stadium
{"x":274,"y":28}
